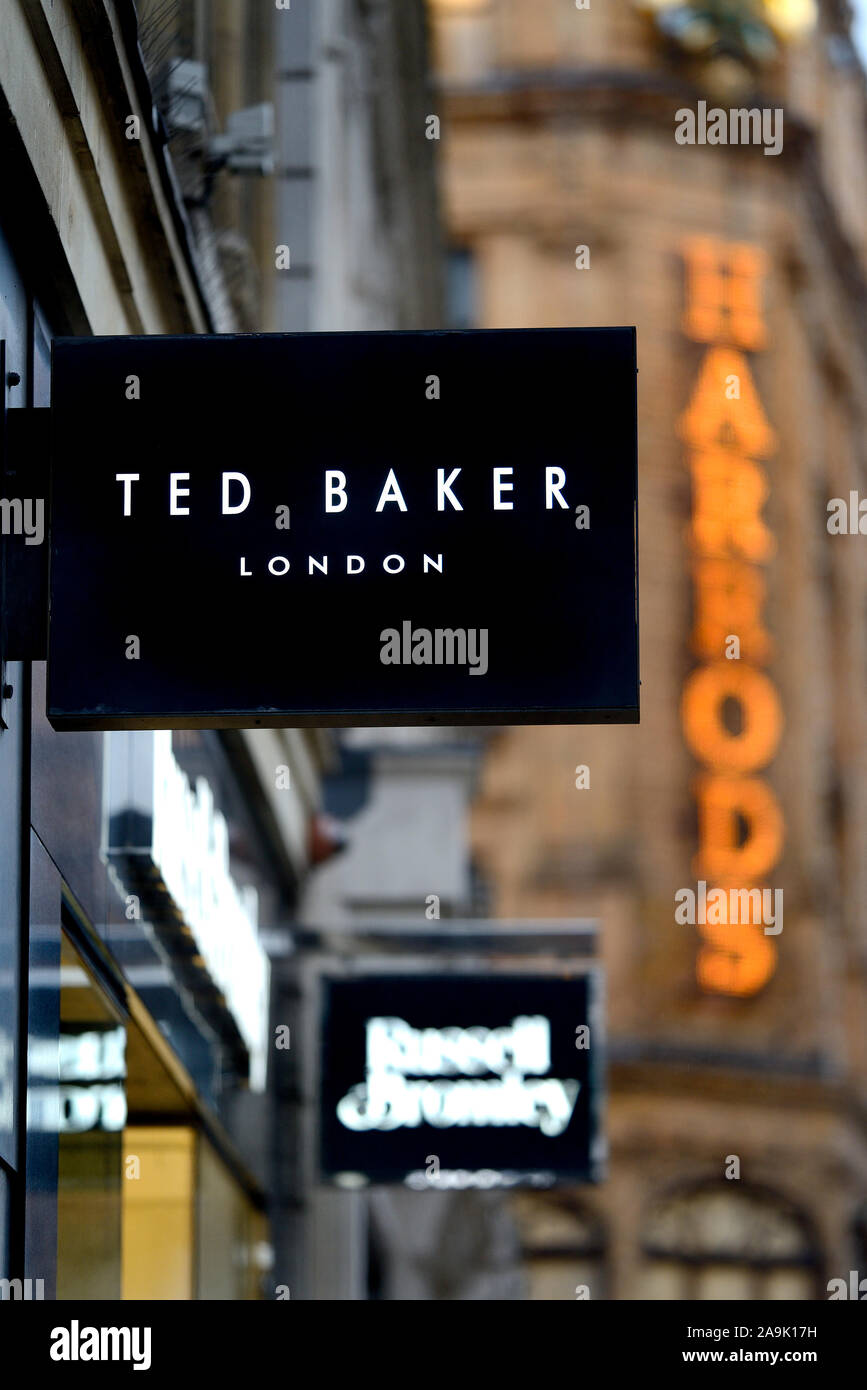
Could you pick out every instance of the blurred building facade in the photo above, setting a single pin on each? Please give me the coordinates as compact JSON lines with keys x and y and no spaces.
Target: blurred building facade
{"x":737,"y":1062}
{"x":153,"y":184}
{"x":403,"y":797}
{"x":277,"y":176}
{"x":133,"y":1161}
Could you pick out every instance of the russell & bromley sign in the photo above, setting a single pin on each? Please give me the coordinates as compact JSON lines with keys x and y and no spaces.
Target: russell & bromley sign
{"x":494,"y":1075}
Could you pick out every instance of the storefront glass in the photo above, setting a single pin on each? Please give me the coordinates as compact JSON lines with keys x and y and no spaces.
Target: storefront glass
{"x":91,"y":1113}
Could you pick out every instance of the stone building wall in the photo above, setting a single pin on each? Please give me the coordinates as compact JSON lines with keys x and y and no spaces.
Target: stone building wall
{"x":559,"y":132}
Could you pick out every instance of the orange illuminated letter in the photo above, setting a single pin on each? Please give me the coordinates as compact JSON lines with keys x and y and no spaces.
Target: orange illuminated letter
{"x":735,"y":960}
{"x":713,"y":417}
{"x":761,"y":716}
{"x":725,"y":806}
{"x":729,"y":597}
{"x":723,"y":293}
{"x":729,"y":493}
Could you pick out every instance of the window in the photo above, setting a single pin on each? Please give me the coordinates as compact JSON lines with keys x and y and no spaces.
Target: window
{"x":89,"y":1105}
{"x":562,"y":1245}
{"x":716,"y":1242}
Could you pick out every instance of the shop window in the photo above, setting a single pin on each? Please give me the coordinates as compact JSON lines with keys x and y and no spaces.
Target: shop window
{"x":158,"y":1191}
{"x":89,"y":1107}
{"x":715,"y":1242}
{"x":562,"y":1247}
{"x":190,"y":1229}
{"x":146,"y":1208}
{"x":232,"y":1244}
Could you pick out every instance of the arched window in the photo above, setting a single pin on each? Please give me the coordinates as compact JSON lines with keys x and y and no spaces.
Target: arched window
{"x":730,"y":1242}
{"x":562,"y":1246}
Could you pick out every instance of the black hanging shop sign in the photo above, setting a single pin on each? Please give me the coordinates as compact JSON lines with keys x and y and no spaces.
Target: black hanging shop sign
{"x":461,"y":1080}
{"x":344,"y":528}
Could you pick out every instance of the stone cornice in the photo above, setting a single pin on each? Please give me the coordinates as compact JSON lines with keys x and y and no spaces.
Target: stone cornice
{"x":629,"y":97}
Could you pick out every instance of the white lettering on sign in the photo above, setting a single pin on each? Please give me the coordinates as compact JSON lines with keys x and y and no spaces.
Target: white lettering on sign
{"x":191,"y":851}
{"x":236,"y":492}
{"x":493,"y":1066}
{"x":91,"y":1068}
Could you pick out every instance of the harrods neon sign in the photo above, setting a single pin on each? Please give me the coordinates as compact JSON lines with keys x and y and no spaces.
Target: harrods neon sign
{"x":728,"y":437}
